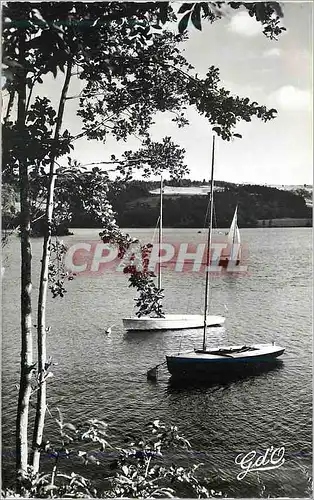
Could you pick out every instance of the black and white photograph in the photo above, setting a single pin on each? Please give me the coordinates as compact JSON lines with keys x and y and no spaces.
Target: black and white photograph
{"x":156,"y":249}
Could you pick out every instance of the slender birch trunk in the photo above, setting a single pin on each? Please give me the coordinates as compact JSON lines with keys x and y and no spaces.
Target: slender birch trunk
{"x":26,"y":281}
{"x":43,"y":287}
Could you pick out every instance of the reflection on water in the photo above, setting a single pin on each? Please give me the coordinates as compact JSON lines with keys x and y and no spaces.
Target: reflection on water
{"x":224,"y":380}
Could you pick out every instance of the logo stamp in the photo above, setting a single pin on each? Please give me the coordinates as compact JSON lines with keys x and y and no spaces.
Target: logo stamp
{"x":253,"y":461}
{"x":96,"y":257}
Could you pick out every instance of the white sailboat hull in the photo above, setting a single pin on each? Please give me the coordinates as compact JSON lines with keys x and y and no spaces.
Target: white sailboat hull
{"x":222,"y":361}
{"x":171,"y":322}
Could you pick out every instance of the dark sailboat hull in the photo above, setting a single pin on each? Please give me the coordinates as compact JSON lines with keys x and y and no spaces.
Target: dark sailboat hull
{"x":225,"y":262}
{"x":200,"y":367}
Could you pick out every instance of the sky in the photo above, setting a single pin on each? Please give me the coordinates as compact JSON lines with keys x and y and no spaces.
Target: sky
{"x":275,"y":73}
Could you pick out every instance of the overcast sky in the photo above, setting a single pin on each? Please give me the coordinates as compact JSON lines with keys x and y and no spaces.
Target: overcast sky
{"x":275,"y":73}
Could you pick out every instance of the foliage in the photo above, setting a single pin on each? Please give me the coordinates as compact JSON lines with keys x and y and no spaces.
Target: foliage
{"x":150,"y":297}
{"x":138,"y":475}
{"x":125,"y":102}
{"x":268,"y":13}
{"x":37,"y":143}
{"x":136,"y":263}
{"x":116,"y":49}
{"x":119,"y":51}
{"x":152,"y":157}
{"x":9,"y":212}
{"x":57,"y":274}
{"x":139,"y":469}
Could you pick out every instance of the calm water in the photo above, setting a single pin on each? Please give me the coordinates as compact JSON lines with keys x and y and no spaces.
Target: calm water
{"x":105,"y":376}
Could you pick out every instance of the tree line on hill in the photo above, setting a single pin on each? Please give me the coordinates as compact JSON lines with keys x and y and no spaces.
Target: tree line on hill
{"x":135,"y":206}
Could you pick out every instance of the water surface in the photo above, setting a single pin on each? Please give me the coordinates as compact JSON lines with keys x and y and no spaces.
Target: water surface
{"x":104,"y":376}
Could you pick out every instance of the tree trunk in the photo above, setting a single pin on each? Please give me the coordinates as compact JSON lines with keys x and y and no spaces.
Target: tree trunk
{"x":43,"y":287}
{"x":26,"y":280}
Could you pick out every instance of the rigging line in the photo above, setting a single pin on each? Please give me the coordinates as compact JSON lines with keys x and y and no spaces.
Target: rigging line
{"x":206,"y":224}
{"x":155,"y":231}
{"x":206,"y":216}
{"x":215,"y":218}
{"x":209,"y":243}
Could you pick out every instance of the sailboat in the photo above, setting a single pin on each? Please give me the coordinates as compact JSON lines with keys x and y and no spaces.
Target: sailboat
{"x":232,"y":253}
{"x":222,"y":360}
{"x":169,"y":321}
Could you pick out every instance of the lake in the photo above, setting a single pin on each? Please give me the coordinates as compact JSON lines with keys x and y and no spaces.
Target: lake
{"x":101,"y":376}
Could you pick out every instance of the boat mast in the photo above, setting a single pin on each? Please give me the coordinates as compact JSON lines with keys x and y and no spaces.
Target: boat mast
{"x":209,"y":244}
{"x":160,"y":234}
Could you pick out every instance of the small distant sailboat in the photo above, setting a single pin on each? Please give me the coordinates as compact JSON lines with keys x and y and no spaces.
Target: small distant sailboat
{"x":232,"y":252}
{"x":169,"y":321}
{"x":222,"y":360}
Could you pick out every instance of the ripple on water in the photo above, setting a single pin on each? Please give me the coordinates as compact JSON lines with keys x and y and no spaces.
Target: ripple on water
{"x":105,"y":376}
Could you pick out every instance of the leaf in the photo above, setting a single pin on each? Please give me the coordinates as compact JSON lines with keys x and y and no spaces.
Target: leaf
{"x":277,"y":8}
{"x":237,"y":135}
{"x":60,"y":416}
{"x":50,"y":487}
{"x":70,"y":426}
{"x":185,"y":7}
{"x":125,"y":470}
{"x":234,"y":5}
{"x":196,"y":17}
{"x":184,"y":23}
{"x":163,"y":12}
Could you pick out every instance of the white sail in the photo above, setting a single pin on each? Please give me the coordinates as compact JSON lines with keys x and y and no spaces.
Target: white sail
{"x":234,"y":233}
{"x":232,"y":250}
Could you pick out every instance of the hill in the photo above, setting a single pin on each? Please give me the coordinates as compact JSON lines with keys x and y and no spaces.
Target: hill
{"x":185,"y":204}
